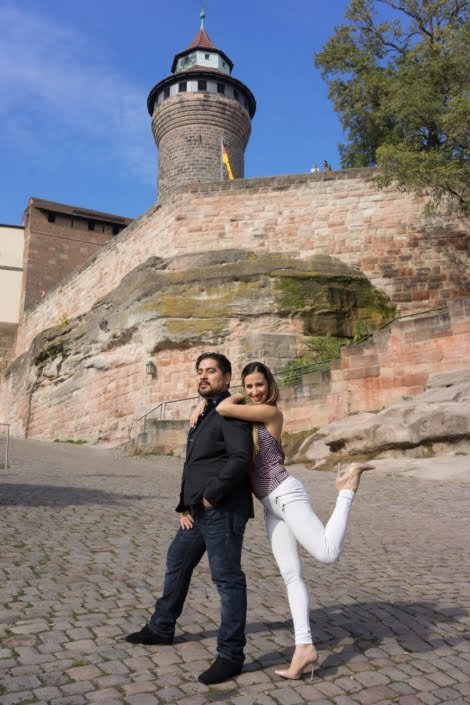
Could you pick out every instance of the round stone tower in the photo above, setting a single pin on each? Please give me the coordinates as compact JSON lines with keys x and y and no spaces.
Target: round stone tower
{"x":196,"y":112}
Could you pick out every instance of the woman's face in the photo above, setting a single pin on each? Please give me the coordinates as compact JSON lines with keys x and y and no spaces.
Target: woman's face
{"x":256,"y":387}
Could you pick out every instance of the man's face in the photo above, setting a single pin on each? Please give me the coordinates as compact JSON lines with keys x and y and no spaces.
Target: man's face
{"x":211,"y":379}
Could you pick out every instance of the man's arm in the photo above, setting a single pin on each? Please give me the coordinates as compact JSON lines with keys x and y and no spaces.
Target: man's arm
{"x":239,"y":446}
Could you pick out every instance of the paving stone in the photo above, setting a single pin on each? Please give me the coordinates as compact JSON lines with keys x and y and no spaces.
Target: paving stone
{"x":16,"y":698}
{"x":389,"y":630}
{"x":142,"y":699}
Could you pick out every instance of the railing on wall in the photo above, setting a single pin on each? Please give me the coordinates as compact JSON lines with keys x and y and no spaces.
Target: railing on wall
{"x":6,"y":440}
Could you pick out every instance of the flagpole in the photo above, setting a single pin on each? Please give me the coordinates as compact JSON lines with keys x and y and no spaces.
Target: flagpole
{"x":221,"y":159}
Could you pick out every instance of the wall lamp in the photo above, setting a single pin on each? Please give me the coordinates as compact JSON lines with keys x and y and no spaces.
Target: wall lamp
{"x":150,"y":368}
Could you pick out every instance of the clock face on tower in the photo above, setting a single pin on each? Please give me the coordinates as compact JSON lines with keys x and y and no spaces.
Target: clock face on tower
{"x":187,"y":61}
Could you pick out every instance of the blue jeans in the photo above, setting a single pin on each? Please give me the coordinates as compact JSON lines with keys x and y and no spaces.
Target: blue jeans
{"x":221,"y":534}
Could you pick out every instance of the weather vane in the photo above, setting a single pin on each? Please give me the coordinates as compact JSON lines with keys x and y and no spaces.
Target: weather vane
{"x":202,"y":14}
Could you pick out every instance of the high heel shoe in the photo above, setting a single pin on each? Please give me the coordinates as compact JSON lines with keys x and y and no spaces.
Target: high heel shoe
{"x":349,"y":479}
{"x":309,"y":661}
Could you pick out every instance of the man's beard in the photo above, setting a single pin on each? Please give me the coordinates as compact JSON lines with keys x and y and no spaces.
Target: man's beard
{"x":206,"y":392}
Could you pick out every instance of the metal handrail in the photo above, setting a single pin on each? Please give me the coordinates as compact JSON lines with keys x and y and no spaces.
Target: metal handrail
{"x":163,"y":405}
{"x":7,"y":444}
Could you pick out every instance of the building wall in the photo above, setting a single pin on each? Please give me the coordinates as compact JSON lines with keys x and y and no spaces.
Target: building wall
{"x":419,"y":262}
{"x":55,"y":249}
{"x":11,"y":266}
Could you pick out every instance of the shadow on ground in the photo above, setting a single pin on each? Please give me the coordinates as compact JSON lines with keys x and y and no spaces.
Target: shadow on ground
{"x":412,"y":625}
{"x":14,"y":494}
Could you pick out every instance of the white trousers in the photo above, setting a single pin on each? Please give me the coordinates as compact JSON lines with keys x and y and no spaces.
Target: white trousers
{"x":290,"y":521}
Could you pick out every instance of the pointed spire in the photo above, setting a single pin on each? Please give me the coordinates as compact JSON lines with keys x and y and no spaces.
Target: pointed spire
{"x":202,"y":15}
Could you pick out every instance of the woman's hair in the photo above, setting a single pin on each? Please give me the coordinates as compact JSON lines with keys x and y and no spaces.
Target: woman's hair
{"x":273,"y":389}
{"x":273,"y":394}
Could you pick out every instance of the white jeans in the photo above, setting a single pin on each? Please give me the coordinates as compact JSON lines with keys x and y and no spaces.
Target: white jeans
{"x":290,"y":521}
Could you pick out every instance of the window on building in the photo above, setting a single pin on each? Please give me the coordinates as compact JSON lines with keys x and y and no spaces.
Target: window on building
{"x":182,"y":87}
{"x":207,"y":56}
{"x":220,"y":88}
{"x":166,"y":93}
{"x":91,"y":225}
{"x":51,"y":217}
{"x":202,"y":85}
{"x":116,"y":229}
{"x":236,"y":95}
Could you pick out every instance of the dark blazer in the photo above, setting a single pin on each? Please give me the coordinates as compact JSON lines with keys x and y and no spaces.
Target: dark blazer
{"x":219,"y":456}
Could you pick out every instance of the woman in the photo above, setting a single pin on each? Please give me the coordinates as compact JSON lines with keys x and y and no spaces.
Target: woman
{"x":290,"y":519}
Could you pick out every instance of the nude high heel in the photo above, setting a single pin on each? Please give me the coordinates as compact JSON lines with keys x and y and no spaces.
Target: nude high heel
{"x":349,"y":479}
{"x":309,"y":661}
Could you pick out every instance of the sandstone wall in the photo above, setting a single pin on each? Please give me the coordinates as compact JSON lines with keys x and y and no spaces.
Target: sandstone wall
{"x":53,"y":250}
{"x":418,"y":262}
{"x":396,"y":362}
{"x":7,"y":344}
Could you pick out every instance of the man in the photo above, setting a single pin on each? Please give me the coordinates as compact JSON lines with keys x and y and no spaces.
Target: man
{"x":215,"y":504}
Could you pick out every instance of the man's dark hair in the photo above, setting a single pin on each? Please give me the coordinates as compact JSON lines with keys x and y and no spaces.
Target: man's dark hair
{"x":223,"y":362}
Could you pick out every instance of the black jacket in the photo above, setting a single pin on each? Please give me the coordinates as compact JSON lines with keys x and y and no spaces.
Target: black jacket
{"x":219,"y":455}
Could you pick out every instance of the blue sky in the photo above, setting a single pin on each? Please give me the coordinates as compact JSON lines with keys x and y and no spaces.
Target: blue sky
{"x":74,"y":80}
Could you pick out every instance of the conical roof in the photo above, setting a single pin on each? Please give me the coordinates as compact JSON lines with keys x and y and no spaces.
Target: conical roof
{"x":202,"y":40}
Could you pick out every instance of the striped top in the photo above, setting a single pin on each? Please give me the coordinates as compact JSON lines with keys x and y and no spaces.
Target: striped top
{"x":268,"y":471}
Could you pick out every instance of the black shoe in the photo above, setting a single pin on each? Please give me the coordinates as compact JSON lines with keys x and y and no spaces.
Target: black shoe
{"x":148,"y":636}
{"x":221,"y":670}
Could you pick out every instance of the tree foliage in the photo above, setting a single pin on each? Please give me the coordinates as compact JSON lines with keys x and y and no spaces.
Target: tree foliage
{"x":400,"y":85}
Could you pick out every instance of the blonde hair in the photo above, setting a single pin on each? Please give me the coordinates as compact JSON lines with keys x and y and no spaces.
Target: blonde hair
{"x":272,"y":398}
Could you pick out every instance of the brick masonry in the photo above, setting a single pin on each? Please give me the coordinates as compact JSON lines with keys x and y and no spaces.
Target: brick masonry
{"x":54,"y":249}
{"x":7,"y":340}
{"x":188,"y":130}
{"x":419,"y":262}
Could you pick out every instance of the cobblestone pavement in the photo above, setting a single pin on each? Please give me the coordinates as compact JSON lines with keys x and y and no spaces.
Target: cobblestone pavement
{"x":85,"y":533}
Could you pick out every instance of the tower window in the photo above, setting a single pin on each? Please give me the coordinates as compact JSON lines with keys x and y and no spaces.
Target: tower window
{"x":202,"y":85}
{"x":207,"y":56}
{"x":91,"y":225}
{"x":51,"y":217}
{"x":166,"y":93}
{"x":182,"y":87}
{"x":116,"y":229}
{"x":236,"y":95}
{"x":221,"y":88}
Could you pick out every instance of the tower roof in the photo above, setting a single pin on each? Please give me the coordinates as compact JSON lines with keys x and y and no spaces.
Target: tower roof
{"x":202,"y":40}
{"x":191,"y":58}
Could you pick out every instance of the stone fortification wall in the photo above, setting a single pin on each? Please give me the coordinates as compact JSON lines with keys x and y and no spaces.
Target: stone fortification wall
{"x":396,"y":362}
{"x":56,"y":243}
{"x":418,"y":262}
{"x":7,"y":341}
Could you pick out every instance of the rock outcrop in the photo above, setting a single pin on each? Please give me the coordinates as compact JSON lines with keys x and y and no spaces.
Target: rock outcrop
{"x":86,"y":376}
{"x":435,"y":422}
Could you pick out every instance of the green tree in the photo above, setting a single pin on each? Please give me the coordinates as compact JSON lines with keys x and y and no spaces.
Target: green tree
{"x":400,"y":85}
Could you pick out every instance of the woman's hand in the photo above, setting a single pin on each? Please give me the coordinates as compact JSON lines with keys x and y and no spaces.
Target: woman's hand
{"x":186,"y":520}
{"x":201,"y":405}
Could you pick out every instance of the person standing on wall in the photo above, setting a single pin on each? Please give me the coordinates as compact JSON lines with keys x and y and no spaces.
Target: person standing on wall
{"x":215,"y":504}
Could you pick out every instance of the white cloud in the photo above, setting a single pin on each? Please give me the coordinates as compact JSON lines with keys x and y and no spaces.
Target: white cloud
{"x":55,"y":85}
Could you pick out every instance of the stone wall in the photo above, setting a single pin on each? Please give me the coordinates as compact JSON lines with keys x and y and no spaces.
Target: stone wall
{"x":419,"y":262}
{"x":57,"y":240}
{"x":7,"y":344}
{"x":396,"y":362}
{"x":188,"y":130}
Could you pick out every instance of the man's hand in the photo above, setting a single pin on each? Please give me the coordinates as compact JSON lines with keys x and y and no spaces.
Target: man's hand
{"x":186,"y":520}
{"x":206,"y":503}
